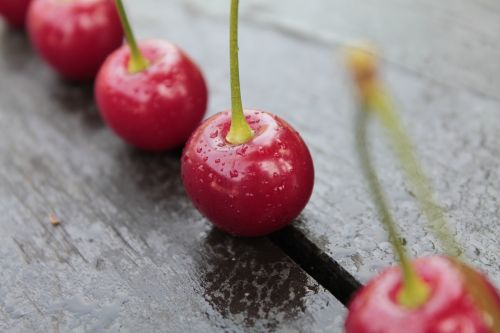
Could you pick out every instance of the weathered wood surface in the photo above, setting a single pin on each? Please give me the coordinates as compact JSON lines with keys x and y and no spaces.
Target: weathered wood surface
{"x":438,"y":62}
{"x":131,"y":253}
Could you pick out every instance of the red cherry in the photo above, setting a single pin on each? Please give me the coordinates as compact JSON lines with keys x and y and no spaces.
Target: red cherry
{"x":76,"y":36}
{"x":14,"y":11}
{"x":250,"y":189}
{"x":155,"y":109}
{"x":448,"y":310}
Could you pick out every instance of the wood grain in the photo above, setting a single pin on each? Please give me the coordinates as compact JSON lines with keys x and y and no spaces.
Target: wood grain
{"x":130,"y":252}
{"x":435,"y":62}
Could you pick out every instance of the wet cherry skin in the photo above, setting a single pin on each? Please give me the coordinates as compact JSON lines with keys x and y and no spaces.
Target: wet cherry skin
{"x":449,"y":309}
{"x":76,"y":36}
{"x":156,"y":109}
{"x":14,"y":11}
{"x":251,"y":189}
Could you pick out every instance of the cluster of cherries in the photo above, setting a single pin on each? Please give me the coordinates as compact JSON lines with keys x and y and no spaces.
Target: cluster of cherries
{"x":154,"y":97}
{"x":248,"y":171}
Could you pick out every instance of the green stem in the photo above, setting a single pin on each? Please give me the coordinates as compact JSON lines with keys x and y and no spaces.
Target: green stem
{"x":363,"y":63}
{"x":481,"y":295}
{"x":414,"y":292}
{"x":137,"y":62}
{"x":240,"y":132}
{"x":419,"y":184}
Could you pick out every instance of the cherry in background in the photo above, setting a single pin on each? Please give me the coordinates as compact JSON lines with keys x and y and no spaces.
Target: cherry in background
{"x":429,"y":295}
{"x":76,"y":36}
{"x":14,"y":11}
{"x":249,"y":172}
{"x":448,"y":309}
{"x":152,"y":94}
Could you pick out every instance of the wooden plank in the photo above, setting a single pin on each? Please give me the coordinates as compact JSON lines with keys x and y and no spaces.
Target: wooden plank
{"x":445,"y":83}
{"x":450,"y":41}
{"x":130,"y":252}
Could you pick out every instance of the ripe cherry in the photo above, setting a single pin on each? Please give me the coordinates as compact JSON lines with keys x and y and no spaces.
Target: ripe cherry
{"x":448,"y":309}
{"x":249,"y":172}
{"x":152,"y":95}
{"x":14,"y":11}
{"x":76,"y":36}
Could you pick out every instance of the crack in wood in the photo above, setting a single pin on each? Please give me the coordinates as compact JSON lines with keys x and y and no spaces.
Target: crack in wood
{"x":321,"y":267}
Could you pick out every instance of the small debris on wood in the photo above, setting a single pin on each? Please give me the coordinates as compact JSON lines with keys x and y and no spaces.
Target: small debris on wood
{"x":54,"y":220}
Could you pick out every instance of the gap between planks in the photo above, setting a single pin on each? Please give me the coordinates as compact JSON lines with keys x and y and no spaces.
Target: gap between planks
{"x":315,"y":262}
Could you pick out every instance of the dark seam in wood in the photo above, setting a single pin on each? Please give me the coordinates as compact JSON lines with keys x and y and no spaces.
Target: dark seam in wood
{"x":25,"y":255}
{"x":321,"y":267}
{"x":67,"y":238}
{"x":33,"y":303}
{"x":124,"y":241}
{"x":324,"y":42}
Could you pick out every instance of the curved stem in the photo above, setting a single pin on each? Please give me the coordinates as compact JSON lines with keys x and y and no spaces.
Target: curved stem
{"x":414,"y":292}
{"x":240,"y":132}
{"x":137,"y":62}
{"x":476,"y":287}
{"x":363,"y":64}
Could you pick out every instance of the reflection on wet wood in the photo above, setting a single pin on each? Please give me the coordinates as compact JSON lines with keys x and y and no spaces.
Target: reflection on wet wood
{"x":132,"y":253}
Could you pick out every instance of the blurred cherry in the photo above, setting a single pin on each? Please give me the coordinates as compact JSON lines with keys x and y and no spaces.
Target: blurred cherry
{"x":76,"y":36}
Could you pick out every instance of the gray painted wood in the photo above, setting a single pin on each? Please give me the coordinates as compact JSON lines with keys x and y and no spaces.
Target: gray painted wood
{"x":438,"y":63}
{"x":131,"y":254}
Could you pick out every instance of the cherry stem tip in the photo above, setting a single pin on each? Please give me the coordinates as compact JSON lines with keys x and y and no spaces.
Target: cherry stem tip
{"x":240,"y":131}
{"x":138,"y":62}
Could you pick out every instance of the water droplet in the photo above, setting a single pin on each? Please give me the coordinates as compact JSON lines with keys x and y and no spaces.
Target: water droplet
{"x":205,"y":158}
{"x":199,"y":150}
{"x":214,"y":134}
{"x":217,"y":161}
{"x":275,"y":174}
{"x":241,"y":151}
{"x":233,"y":173}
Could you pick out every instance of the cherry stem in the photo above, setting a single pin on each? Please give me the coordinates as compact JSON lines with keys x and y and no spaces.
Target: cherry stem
{"x":137,"y":62}
{"x":363,"y":63}
{"x":403,"y":148}
{"x":414,"y":292}
{"x":420,"y":184}
{"x":239,"y":132}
